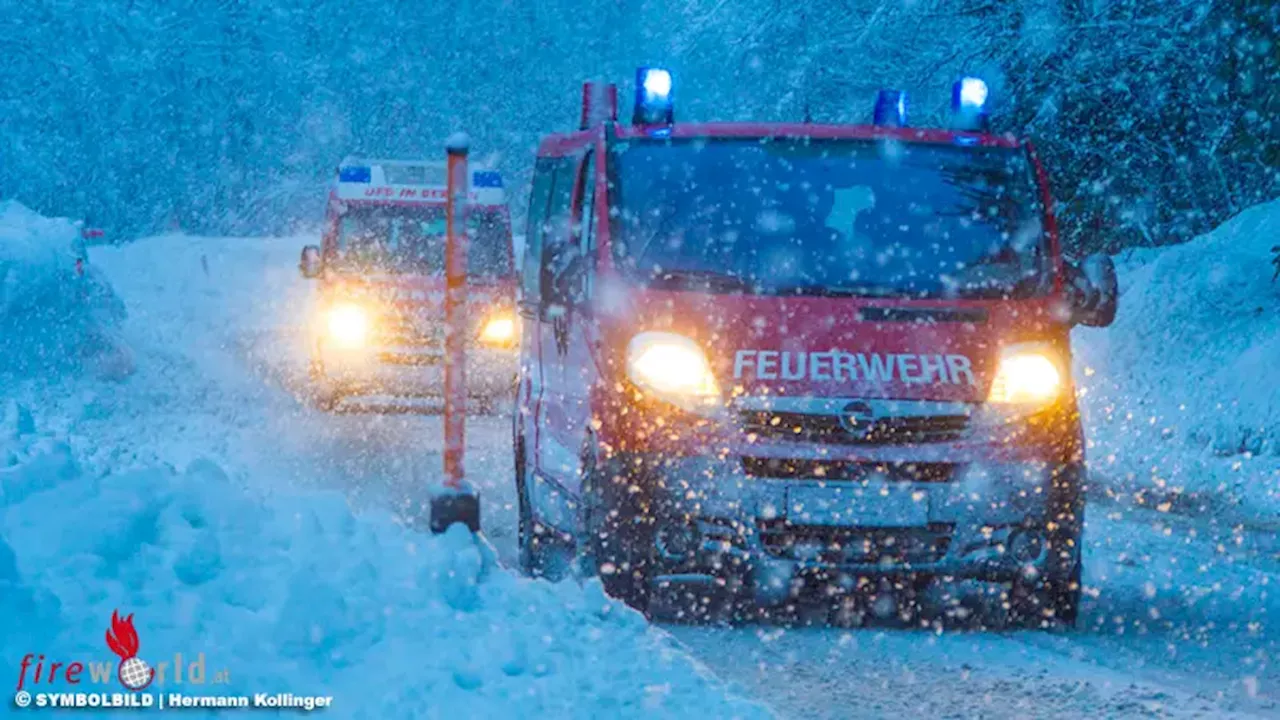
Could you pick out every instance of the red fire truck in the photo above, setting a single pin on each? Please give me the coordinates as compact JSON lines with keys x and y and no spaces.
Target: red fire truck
{"x":770,"y":362}
{"x":379,"y":329}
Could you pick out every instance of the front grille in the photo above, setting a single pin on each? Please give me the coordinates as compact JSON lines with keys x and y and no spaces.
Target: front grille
{"x":405,"y":329}
{"x":409,"y":356}
{"x":839,"y":470}
{"x":887,"y":547}
{"x":804,"y":427}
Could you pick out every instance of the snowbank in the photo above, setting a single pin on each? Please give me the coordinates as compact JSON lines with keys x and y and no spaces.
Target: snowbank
{"x":108,"y":501}
{"x":51,"y":317}
{"x":295,"y":594}
{"x":1181,"y":396}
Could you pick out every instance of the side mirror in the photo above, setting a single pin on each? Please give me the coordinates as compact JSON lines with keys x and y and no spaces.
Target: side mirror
{"x":309,"y":265}
{"x":1096,"y":291}
{"x":569,"y":282}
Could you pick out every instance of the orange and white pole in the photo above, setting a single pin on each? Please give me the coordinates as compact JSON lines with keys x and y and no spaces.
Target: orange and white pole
{"x":455,"y":314}
{"x":456,"y":502}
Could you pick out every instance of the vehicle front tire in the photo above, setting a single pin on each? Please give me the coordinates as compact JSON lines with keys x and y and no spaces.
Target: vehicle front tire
{"x":325,"y":396}
{"x":618,"y":528}
{"x":1053,"y":600}
{"x":322,"y":393}
{"x":1049,"y":603}
{"x":1064,"y":584}
{"x":1064,"y":597}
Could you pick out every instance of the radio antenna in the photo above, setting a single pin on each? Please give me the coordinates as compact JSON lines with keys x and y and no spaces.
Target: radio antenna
{"x":804,"y":28}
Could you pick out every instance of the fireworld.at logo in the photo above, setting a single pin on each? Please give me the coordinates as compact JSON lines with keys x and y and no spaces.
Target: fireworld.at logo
{"x":131,"y":671}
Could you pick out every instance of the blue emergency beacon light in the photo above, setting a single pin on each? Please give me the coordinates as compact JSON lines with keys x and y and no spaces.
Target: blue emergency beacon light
{"x":969,"y":104}
{"x":891,"y":108}
{"x":653,"y":97}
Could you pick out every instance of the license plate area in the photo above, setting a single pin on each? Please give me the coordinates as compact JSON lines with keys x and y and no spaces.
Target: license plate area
{"x":869,"y":505}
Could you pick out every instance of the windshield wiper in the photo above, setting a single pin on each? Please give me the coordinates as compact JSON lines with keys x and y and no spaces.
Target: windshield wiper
{"x":711,"y":279}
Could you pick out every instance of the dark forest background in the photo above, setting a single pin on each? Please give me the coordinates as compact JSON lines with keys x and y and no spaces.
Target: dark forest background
{"x":1158,"y":118}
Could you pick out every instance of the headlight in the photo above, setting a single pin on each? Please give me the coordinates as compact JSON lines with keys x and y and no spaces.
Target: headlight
{"x":673,"y":368}
{"x":1028,"y":375}
{"x":499,"y":330}
{"x":349,"y":325}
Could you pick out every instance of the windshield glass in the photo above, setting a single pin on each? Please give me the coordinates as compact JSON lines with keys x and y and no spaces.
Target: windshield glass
{"x":400,"y":239}
{"x":844,"y":217}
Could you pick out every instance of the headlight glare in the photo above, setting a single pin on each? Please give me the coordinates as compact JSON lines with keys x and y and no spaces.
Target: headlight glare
{"x":1028,"y":376}
{"x":673,"y":368}
{"x":499,"y":330}
{"x":349,"y":325}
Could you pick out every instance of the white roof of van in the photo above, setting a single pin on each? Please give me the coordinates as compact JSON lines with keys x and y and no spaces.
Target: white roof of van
{"x":411,"y":181}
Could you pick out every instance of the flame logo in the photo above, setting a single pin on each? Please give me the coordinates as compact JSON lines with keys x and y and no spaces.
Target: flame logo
{"x":122,"y":638}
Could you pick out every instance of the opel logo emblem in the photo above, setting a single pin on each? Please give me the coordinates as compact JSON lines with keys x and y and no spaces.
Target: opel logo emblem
{"x":856,"y":419}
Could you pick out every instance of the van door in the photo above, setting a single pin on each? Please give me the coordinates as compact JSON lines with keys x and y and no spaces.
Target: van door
{"x":569,"y":371}
{"x":553,"y":458}
{"x":529,"y":305}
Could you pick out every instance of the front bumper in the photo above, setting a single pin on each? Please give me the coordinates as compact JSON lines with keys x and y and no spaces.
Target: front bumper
{"x":767,"y":525}
{"x":406,"y":371}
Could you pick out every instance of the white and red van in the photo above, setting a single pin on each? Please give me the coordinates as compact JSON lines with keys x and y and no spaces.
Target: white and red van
{"x":379,"y":329}
{"x":776,"y":361}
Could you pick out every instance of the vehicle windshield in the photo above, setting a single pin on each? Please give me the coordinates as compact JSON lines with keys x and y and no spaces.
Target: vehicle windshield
{"x":411,"y":240}
{"x":829,"y":217}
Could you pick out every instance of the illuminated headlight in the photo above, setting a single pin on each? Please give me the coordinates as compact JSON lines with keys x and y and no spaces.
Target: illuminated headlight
{"x":1028,"y":375}
{"x":673,"y":368}
{"x":349,"y":325}
{"x":499,"y":330}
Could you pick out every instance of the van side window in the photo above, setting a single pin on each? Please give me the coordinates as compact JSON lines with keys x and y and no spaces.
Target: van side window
{"x":556,"y":231}
{"x":536,"y":221}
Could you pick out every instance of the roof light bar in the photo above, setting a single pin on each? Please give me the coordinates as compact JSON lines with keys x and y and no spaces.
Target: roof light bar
{"x":355,"y":174}
{"x":891,"y":108}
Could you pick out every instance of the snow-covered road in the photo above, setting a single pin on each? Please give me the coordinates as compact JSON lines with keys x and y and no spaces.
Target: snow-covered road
{"x":1179,"y":620}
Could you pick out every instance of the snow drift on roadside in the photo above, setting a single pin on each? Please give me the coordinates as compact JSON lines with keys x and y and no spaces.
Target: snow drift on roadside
{"x":295,"y":594}
{"x":51,"y":317}
{"x":1181,"y":396}
{"x":106,"y":503}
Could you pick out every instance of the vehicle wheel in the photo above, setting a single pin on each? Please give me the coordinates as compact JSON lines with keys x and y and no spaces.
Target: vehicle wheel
{"x":543,"y":551}
{"x":619,"y":530}
{"x":1065,"y":597}
{"x":1065,"y":564}
{"x":1051,"y":603}
{"x":1063,"y":587}
{"x":1054,"y":599}
{"x":324,"y":396}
